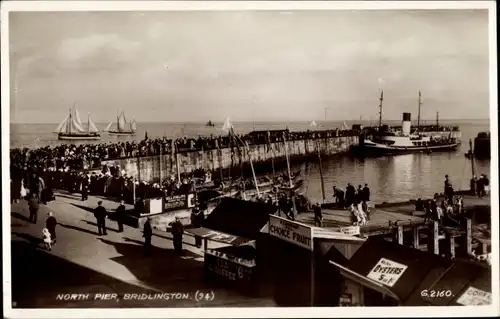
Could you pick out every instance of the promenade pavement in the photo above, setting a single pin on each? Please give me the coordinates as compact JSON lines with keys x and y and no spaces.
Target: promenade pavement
{"x":84,"y":263}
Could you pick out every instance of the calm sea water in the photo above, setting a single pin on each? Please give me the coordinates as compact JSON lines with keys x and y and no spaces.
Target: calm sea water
{"x":390,"y":178}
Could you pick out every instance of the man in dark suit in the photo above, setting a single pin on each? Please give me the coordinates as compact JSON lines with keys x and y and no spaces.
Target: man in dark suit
{"x":350,"y":194}
{"x":120,"y":215}
{"x":366,"y":193}
{"x":100,"y":215}
{"x":147,"y":234}
{"x":177,"y":232}
{"x":85,"y":187}
{"x":34,"y":205}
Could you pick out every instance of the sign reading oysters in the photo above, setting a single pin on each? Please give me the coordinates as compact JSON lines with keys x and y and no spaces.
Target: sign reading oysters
{"x":387,"y":272}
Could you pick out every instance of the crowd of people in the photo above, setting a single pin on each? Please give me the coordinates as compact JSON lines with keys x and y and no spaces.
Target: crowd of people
{"x":449,"y":206}
{"x":479,"y":186}
{"x":355,"y":200}
{"x":90,"y":156}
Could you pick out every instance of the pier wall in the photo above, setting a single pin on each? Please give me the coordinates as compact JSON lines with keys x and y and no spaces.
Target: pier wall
{"x":148,"y":168}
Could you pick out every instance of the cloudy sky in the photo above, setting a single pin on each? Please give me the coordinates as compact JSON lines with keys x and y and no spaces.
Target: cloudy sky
{"x":262,"y":65}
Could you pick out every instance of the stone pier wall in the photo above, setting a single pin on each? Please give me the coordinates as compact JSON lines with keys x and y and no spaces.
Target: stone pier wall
{"x":148,"y":168}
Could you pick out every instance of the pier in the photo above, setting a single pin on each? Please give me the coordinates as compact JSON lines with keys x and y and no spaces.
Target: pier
{"x":300,"y":146}
{"x":399,"y":222}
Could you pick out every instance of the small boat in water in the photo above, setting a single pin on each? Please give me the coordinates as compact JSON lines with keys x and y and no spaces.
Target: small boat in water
{"x":71,"y":128}
{"x":210,"y":124}
{"x":122,"y":128}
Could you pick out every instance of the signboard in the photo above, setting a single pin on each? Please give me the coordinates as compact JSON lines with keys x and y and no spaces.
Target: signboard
{"x":387,"y":272}
{"x":152,"y":206}
{"x":474,"y":297}
{"x":293,"y":232}
{"x":345,"y":300}
{"x":226,"y":269}
{"x":190,"y":201}
{"x":217,"y":236}
{"x":351,"y":230}
{"x":175,"y":202}
{"x":220,"y":237}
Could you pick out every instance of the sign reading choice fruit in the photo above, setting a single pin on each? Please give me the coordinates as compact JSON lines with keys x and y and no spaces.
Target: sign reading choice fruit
{"x":293,"y":232}
{"x":387,"y":272}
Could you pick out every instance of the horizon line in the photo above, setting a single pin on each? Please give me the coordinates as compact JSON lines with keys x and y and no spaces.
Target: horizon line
{"x":280,"y":121}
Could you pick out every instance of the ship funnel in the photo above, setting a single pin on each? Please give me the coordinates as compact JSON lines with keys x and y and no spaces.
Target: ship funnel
{"x":406,"y":124}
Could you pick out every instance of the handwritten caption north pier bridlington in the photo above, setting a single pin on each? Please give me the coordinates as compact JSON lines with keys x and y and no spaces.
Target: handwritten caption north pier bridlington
{"x":197,"y":296}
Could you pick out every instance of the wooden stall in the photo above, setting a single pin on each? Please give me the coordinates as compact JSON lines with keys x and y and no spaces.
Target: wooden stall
{"x":297,"y":262}
{"x":383,"y":273}
{"x":235,"y":225}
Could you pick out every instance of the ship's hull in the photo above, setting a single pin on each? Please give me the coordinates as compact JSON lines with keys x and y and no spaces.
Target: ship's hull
{"x":482,"y":148}
{"x":121,"y":133}
{"x":91,"y":136}
{"x":381,"y":149}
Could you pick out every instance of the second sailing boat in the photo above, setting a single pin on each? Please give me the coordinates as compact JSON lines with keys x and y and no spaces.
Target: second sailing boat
{"x":121,"y":126}
{"x":71,"y":128}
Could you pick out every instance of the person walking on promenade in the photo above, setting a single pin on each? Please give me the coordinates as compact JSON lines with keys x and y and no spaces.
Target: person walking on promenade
{"x":194,"y":222}
{"x":335,"y":195}
{"x":120,"y":216}
{"x":85,"y":186}
{"x":100,"y":215}
{"x":50,"y":224}
{"x":34,"y":205}
{"x":47,"y":241}
{"x":366,"y":193}
{"x":197,"y":218}
{"x":447,"y":184}
{"x":318,"y":216}
{"x":360,"y":196}
{"x":177,"y":232}
{"x":147,"y":234}
{"x":350,"y":194}
{"x":473,"y":183}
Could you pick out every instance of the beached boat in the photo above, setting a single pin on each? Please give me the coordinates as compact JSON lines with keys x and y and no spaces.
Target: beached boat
{"x":122,"y":127}
{"x":71,"y":128}
{"x":388,"y":142}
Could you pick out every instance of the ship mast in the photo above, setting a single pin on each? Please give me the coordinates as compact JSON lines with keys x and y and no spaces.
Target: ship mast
{"x":472,"y":158}
{"x":70,"y":119}
{"x":437,"y":119}
{"x":380,"y":107}
{"x":419,"y":105}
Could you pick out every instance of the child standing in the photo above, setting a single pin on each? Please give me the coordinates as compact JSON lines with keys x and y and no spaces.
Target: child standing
{"x":46,"y":239}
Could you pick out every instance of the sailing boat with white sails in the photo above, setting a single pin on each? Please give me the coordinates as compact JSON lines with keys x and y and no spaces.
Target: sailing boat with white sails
{"x":71,"y":128}
{"x":122,"y":128}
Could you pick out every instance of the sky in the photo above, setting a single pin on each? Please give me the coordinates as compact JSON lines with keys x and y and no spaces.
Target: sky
{"x":194,"y":66}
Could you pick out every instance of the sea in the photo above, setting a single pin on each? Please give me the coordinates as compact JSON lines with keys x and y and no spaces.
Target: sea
{"x":390,"y":178}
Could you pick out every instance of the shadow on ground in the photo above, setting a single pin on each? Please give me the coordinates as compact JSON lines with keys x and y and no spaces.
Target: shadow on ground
{"x":127,"y":220}
{"x":162,"y":267}
{"x":38,"y":277}
{"x":107,"y":225}
{"x":19,"y":216}
{"x":78,"y":229}
{"x":74,"y":196}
